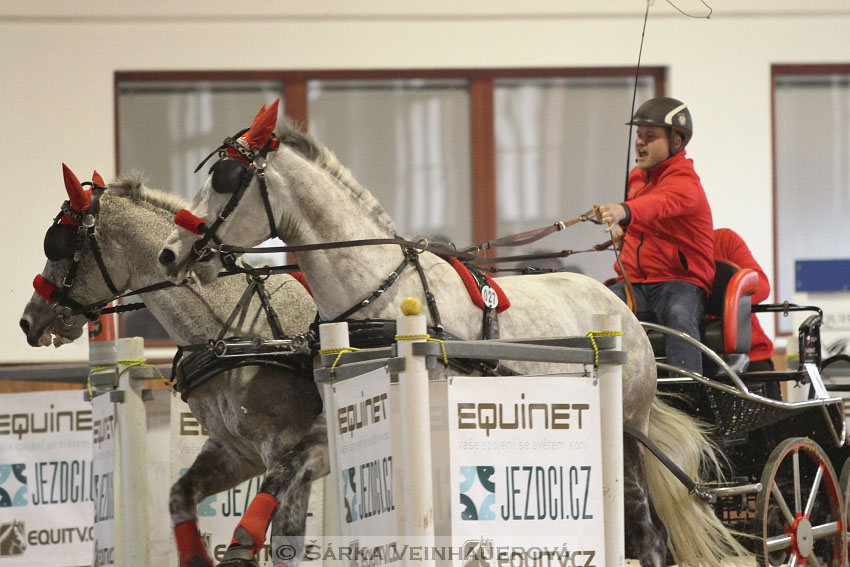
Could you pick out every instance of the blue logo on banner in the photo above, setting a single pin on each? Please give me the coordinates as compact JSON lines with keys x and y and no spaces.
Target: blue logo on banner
{"x":349,"y":487}
{"x":477,"y":486}
{"x":13,"y":485}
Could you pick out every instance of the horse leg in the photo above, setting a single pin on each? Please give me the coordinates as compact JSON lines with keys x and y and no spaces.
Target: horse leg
{"x":283,"y":498}
{"x":216,"y":468}
{"x":645,"y":533}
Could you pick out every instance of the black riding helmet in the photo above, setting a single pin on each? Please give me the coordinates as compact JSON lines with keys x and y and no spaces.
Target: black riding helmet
{"x":668,"y":113}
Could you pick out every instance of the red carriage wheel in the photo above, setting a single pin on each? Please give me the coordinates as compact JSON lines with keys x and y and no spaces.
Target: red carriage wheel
{"x":800,"y":508}
{"x":844,"y":484}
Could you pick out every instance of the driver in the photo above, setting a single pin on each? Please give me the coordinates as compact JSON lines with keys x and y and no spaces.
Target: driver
{"x":665,"y":228}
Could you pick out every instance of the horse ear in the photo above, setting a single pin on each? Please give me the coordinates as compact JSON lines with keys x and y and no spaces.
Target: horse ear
{"x":263,"y":126}
{"x":97,"y":179}
{"x":79,"y":198}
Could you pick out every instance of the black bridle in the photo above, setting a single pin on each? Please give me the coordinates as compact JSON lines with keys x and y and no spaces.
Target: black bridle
{"x":232,"y":175}
{"x":66,"y":242}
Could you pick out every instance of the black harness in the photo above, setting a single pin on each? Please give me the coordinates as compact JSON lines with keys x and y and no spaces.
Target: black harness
{"x":66,"y":242}
{"x":231,"y":175}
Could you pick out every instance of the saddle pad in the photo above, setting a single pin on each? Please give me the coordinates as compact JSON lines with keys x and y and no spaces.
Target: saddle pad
{"x":477,"y":292}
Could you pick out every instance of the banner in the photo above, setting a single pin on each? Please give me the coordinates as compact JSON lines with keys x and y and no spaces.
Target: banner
{"x":360,"y":421}
{"x":103,"y":469}
{"x":47,"y":484}
{"x":526,"y":471}
{"x":56,"y":481}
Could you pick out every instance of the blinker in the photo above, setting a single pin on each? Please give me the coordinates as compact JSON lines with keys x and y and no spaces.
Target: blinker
{"x":60,"y":241}
{"x":227,"y":175}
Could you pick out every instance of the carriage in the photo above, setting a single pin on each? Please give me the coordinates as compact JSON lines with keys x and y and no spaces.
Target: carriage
{"x":787,"y":488}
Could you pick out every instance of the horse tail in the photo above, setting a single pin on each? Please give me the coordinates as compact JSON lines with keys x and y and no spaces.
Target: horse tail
{"x":697,"y":536}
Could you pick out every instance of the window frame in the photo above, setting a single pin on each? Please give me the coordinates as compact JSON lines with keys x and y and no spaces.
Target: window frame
{"x":481,"y":88}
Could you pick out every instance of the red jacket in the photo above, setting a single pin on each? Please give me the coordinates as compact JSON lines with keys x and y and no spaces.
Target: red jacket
{"x":730,"y":247}
{"x":670,"y":232}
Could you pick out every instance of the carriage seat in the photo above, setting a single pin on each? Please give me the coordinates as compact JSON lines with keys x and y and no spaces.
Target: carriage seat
{"x":726,"y":327}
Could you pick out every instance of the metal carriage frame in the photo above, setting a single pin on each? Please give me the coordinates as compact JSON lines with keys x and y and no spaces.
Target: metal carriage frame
{"x":786,"y":488}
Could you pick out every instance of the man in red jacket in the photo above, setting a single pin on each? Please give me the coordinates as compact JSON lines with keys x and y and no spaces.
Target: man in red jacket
{"x":730,"y":247}
{"x":666,"y":228}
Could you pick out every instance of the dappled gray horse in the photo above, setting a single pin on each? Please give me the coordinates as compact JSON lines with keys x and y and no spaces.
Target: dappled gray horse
{"x":259,"y":418}
{"x":313,"y":199}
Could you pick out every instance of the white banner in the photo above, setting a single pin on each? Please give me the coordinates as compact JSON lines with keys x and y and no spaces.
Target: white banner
{"x":360,"y":421}
{"x":103,"y":468}
{"x":46,"y":479}
{"x":526,"y":470}
{"x":56,"y":489}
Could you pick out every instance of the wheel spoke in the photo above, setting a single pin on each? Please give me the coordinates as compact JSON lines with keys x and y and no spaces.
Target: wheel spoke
{"x":783,"y":505}
{"x":792,"y":562}
{"x":778,"y":543}
{"x":795,"y":460}
{"x":825,"y":530}
{"x":815,"y":485}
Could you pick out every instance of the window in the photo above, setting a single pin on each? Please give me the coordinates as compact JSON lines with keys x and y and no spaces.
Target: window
{"x":466,"y":155}
{"x":416,"y":161}
{"x":559,"y":151}
{"x":812,"y":165}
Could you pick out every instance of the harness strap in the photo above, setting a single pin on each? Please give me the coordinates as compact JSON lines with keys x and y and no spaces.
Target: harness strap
{"x":429,"y":296}
{"x":638,"y":435}
{"x":385,"y":285}
{"x":264,"y":191}
{"x":95,"y":247}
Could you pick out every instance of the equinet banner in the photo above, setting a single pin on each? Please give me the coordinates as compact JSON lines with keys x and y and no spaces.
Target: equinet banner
{"x":526,"y":466}
{"x":48,"y":487}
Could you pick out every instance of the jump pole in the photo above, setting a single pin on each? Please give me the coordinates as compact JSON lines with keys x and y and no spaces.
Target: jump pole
{"x":611,"y":391}
{"x":131,"y":509}
{"x":415,"y":429}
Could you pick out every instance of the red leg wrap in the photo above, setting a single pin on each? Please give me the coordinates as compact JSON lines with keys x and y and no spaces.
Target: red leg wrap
{"x":256,"y":520}
{"x":190,"y":548}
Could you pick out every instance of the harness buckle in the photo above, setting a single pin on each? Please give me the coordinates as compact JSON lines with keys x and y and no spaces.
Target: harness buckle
{"x":200,"y":253}
{"x":64,"y":313}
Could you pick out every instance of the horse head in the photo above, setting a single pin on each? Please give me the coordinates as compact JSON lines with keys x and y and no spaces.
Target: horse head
{"x":235,"y":185}
{"x":73,"y":277}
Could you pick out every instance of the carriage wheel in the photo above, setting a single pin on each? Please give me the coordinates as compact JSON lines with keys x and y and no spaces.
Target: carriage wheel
{"x":800,"y":508}
{"x":844,"y":484}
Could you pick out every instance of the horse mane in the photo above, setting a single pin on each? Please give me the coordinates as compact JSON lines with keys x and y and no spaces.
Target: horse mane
{"x":132,"y":187}
{"x":318,"y":153}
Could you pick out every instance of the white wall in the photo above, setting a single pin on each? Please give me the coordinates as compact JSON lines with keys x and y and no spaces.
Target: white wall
{"x":57,"y":61}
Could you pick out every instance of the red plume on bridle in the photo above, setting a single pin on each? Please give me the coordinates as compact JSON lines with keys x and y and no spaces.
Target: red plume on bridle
{"x":262,"y":126}
{"x":80,"y":198}
{"x":97,"y":179}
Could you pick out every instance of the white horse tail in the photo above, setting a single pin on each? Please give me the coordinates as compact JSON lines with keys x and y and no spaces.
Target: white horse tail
{"x":697,"y":537}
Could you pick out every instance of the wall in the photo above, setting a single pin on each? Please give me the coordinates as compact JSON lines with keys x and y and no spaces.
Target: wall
{"x":58,"y":59}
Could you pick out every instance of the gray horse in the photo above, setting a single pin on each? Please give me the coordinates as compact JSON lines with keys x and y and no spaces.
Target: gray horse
{"x":260,"y":419}
{"x":312,"y":199}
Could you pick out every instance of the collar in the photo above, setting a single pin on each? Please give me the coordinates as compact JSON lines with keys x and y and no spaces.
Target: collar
{"x":658,"y":169}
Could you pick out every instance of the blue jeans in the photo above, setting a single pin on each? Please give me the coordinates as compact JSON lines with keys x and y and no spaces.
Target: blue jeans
{"x":676,"y":304}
